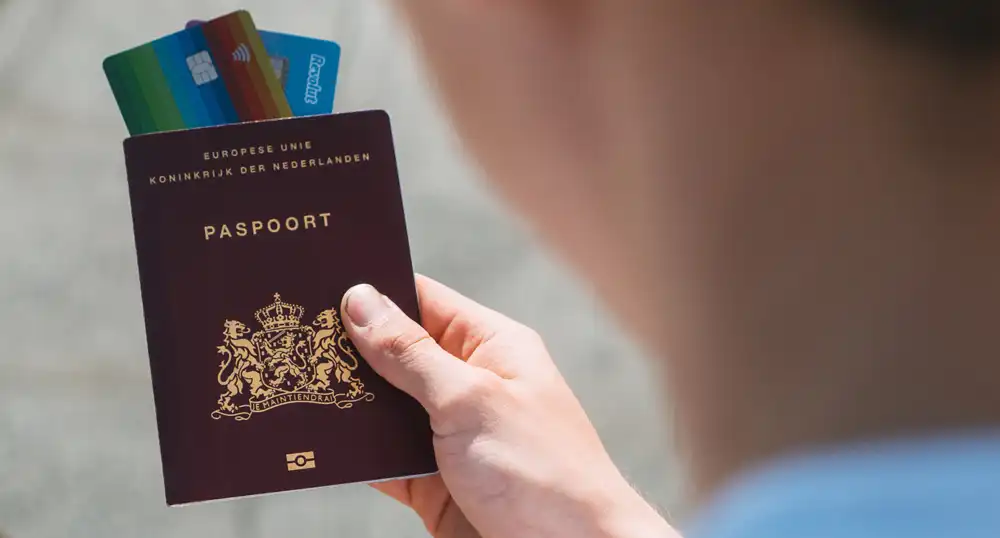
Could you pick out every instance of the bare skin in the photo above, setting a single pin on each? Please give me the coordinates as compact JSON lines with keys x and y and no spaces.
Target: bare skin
{"x":517,"y":454}
{"x":791,"y":212}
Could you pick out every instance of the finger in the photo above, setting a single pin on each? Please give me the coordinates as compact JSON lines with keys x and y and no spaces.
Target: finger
{"x":457,"y":323}
{"x":401,"y":351}
{"x":462,"y":326}
{"x":429,"y":498}
{"x":396,"y":489}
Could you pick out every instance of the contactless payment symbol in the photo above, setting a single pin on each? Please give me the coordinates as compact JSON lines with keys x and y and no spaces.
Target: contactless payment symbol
{"x":201,"y":67}
{"x":242,"y":53}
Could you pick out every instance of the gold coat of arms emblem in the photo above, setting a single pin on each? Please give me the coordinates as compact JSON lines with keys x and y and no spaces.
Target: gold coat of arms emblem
{"x":286,"y":362}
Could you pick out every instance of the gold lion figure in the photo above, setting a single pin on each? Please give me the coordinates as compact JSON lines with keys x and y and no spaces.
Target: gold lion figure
{"x":241,"y":363}
{"x":284,"y":357}
{"x":332,"y":351}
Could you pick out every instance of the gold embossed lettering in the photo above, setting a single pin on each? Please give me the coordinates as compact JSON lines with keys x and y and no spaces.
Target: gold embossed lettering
{"x":257,"y":226}
{"x":241,"y":229}
{"x":277,"y":225}
{"x":309,"y":221}
{"x":209,"y":232}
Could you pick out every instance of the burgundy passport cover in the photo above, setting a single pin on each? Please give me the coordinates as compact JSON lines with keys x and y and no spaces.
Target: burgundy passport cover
{"x":247,"y":238}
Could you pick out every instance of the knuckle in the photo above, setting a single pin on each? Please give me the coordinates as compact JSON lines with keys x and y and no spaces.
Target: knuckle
{"x":404,"y":344}
{"x":524,"y":336}
{"x":529,"y":334}
{"x":473,"y":395}
{"x":469,"y":409}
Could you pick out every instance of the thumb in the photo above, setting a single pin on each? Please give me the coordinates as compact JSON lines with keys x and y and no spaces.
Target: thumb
{"x":400,"y":350}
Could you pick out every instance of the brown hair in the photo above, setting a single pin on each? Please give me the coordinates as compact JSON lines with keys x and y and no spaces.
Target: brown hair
{"x":960,"y":29}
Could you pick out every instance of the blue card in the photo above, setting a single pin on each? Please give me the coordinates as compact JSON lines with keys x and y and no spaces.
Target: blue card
{"x":306,"y":69}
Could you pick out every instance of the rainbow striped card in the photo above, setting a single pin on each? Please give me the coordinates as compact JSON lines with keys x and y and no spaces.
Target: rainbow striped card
{"x":305,"y":67}
{"x":213,"y":74}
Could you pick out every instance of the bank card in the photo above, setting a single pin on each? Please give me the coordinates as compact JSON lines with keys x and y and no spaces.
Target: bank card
{"x":306,"y":69}
{"x":213,"y":74}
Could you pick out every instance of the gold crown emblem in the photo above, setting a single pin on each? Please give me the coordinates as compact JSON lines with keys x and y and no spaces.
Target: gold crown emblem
{"x":280,"y":315}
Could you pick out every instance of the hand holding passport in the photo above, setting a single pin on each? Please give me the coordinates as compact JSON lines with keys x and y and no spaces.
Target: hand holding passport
{"x":515,"y":448}
{"x":290,"y":346}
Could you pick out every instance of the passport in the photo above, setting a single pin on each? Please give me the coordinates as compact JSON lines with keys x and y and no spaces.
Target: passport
{"x":247,"y":236}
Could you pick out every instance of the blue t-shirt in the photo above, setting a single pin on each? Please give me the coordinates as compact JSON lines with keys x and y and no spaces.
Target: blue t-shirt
{"x":945,"y":487}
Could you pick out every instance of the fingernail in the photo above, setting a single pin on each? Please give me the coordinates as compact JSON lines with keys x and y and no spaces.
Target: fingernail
{"x":365,"y":305}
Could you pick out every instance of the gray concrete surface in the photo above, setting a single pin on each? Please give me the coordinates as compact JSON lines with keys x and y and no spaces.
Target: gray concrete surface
{"x":78,"y":448}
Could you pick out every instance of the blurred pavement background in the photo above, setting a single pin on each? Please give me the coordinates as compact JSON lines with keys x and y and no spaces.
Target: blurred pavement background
{"x":78,"y":447}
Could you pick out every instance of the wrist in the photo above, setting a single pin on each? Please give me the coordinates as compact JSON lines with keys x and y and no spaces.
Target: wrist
{"x":619,"y":511}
